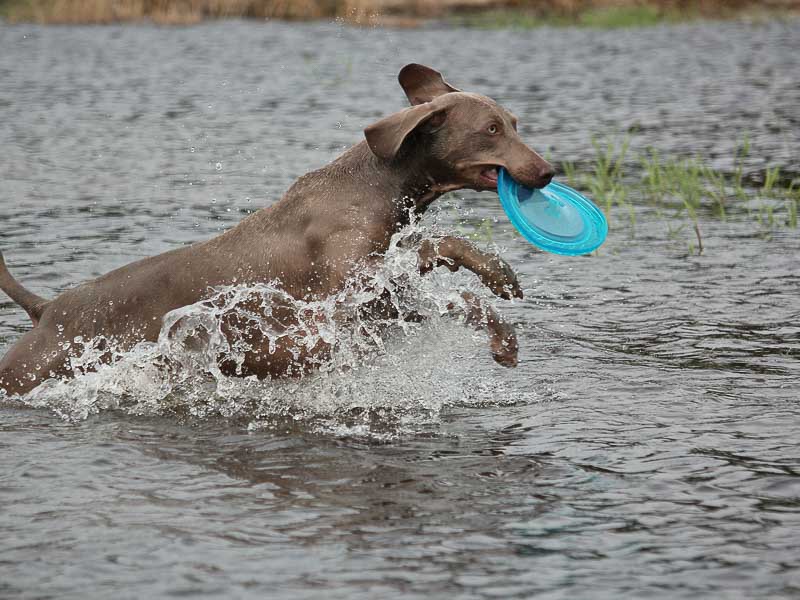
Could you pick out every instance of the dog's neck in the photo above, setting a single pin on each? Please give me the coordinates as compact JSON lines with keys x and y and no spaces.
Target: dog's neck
{"x":408,"y":181}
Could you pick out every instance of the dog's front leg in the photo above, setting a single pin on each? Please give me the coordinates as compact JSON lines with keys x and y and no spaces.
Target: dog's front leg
{"x":454,"y":253}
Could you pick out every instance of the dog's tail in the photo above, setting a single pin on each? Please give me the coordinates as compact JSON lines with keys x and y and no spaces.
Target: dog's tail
{"x":34,"y":305}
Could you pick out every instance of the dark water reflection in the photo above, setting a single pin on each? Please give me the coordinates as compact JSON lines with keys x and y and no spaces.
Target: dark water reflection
{"x":662,"y":459}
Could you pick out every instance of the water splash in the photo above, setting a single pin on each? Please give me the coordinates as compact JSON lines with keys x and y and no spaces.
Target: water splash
{"x":384,"y":375}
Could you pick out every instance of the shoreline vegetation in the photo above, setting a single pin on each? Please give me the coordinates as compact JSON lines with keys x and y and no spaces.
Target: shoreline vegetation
{"x":523,"y":14}
{"x":682,"y":193}
{"x":679,"y":190}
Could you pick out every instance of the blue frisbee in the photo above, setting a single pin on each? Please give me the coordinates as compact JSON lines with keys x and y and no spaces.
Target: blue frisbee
{"x":555,"y":218}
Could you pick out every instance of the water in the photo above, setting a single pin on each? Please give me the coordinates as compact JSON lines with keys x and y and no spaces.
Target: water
{"x":646,"y":446}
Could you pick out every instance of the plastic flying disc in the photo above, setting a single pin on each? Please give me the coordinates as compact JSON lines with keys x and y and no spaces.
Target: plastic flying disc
{"x":555,"y":218}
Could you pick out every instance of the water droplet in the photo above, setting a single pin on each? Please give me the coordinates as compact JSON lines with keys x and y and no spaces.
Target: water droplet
{"x":219,"y":166}
{"x":191,"y":149}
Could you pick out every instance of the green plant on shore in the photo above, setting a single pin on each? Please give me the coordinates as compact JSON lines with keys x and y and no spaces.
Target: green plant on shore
{"x":615,"y":14}
{"x":596,"y":17}
{"x":614,"y":17}
{"x":525,"y":14}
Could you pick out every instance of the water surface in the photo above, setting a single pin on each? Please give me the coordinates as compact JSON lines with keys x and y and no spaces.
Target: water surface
{"x":646,"y":446}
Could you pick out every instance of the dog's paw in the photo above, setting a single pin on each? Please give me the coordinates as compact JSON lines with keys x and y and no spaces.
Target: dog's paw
{"x":500,"y":278}
{"x":504,"y":345}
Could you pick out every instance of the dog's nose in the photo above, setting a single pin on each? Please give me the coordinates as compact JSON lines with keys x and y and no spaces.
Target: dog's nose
{"x":546,"y":176}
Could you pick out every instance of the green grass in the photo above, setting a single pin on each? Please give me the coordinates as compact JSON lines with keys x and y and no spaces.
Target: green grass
{"x":6,"y":8}
{"x":681,"y":192}
{"x":683,"y":189}
{"x":527,"y":14}
{"x":599,"y":18}
{"x":532,"y":14}
{"x":630,"y":16}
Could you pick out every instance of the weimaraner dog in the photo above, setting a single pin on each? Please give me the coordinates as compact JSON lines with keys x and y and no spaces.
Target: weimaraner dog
{"x":330,"y":226}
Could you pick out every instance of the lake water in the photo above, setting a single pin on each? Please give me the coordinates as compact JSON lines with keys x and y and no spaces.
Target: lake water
{"x":646,"y":446}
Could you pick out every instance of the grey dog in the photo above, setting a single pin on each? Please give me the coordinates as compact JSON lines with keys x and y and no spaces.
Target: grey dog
{"x":330,"y":226}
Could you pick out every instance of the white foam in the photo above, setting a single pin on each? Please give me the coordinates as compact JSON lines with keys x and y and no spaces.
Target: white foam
{"x":386,"y":377}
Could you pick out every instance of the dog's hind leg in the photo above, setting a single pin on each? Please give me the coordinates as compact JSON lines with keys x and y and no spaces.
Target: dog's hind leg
{"x":34,"y":305}
{"x":31,"y":360}
{"x":502,"y":339}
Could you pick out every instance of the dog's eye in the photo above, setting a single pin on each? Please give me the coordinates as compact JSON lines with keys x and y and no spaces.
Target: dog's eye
{"x":492,"y":129}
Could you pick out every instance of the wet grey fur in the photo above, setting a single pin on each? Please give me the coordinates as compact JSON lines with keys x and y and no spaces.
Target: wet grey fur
{"x":331,"y":225}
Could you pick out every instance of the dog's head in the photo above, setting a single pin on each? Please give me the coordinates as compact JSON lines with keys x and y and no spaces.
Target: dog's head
{"x":463,"y":137}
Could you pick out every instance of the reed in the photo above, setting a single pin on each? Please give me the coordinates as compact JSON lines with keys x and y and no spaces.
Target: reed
{"x":683,"y":189}
{"x":169,"y":12}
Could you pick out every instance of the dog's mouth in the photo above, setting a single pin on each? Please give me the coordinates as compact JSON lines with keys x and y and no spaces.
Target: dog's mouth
{"x":489,"y":175}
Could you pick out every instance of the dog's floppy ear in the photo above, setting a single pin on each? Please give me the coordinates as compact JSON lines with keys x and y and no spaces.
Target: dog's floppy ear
{"x":387,"y":135}
{"x":422,"y":84}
